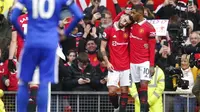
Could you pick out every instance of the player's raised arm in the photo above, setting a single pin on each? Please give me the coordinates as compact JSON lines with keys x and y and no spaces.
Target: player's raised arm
{"x":78,"y":15}
{"x":17,"y":9}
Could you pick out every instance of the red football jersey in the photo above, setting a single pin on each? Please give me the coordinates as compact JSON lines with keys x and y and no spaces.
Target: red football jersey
{"x":2,"y":70}
{"x":23,"y":22}
{"x":93,"y":59}
{"x":118,"y":45}
{"x":142,"y":43}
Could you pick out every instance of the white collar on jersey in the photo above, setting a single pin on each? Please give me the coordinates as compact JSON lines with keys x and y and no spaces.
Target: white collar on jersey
{"x":117,"y":28}
{"x":142,"y":22}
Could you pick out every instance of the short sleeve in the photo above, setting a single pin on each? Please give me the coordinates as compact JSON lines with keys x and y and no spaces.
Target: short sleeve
{"x":106,"y":33}
{"x":152,"y":32}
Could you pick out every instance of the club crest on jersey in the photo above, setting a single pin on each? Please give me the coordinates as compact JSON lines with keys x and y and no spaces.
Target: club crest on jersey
{"x":125,"y":35}
{"x":114,"y":36}
{"x":95,"y":59}
{"x":141,"y":30}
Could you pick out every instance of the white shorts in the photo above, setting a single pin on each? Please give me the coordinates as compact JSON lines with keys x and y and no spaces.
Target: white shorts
{"x":119,"y":76}
{"x":140,"y":72}
{"x":35,"y":79}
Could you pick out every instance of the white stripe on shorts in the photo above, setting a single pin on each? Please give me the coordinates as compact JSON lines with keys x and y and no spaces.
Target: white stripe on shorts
{"x":49,"y":98}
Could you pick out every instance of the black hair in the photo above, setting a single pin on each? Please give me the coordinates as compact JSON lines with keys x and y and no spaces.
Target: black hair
{"x":71,"y":51}
{"x":139,"y":9}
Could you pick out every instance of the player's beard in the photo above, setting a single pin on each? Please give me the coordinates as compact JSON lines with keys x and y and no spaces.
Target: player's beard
{"x":119,"y":26}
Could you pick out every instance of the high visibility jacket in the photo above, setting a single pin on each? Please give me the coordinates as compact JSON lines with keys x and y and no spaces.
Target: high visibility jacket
{"x":155,"y":89}
{"x":2,"y":108}
{"x":5,"y":5}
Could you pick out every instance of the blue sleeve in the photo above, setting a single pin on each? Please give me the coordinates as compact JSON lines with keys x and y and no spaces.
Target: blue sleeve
{"x":78,"y":15}
{"x":14,"y":18}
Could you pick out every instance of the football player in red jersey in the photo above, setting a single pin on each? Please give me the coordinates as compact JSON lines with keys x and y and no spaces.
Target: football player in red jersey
{"x":18,"y":42}
{"x":117,"y":39}
{"x":142,"y":54}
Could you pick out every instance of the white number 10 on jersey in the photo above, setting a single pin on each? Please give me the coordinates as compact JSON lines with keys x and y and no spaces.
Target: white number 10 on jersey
{"x":39,"y":9}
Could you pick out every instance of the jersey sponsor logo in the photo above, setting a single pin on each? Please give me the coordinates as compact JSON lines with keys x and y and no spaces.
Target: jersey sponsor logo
{"x":135,"y":37}
{"x":115,"y":43}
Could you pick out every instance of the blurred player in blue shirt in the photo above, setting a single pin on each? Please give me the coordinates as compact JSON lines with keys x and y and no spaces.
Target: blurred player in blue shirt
{"x":40,"y":46}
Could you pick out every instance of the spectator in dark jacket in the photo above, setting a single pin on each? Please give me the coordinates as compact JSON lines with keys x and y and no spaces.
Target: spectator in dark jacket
{"x":5,"y":30}
{"x":71,"y":56}
{"x":102,"y":73}
{"x":95,"y":8}
{"x":165,"y":59}
{"x":81,"y":75}
{"x":166,"y":10}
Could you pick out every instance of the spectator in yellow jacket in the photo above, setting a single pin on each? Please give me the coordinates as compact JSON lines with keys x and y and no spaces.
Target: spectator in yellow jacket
{"x":155,"y":91}
{"x":5,"y":5}
{"x":2,"y":108}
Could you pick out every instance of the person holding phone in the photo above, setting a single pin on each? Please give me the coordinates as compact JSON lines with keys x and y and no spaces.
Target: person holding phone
{"x":165,"y":50}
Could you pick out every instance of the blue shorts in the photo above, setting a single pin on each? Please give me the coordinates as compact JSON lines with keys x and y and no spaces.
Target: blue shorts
{"x":45,"y":59}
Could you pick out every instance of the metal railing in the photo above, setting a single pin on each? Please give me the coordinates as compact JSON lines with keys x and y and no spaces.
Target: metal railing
{"x":82,"y":101}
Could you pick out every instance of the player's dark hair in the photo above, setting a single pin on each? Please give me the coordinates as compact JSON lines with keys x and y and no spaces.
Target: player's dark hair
{"x":131,"y":18}
{"x":83,"y":57}
{"x":139,"y":9}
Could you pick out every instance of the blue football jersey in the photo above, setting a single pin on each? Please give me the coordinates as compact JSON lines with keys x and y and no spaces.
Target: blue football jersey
{"x":43,"y":21}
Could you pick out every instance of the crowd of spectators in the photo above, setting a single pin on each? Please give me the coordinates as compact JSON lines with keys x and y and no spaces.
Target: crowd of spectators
{"x":84,"y":68}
